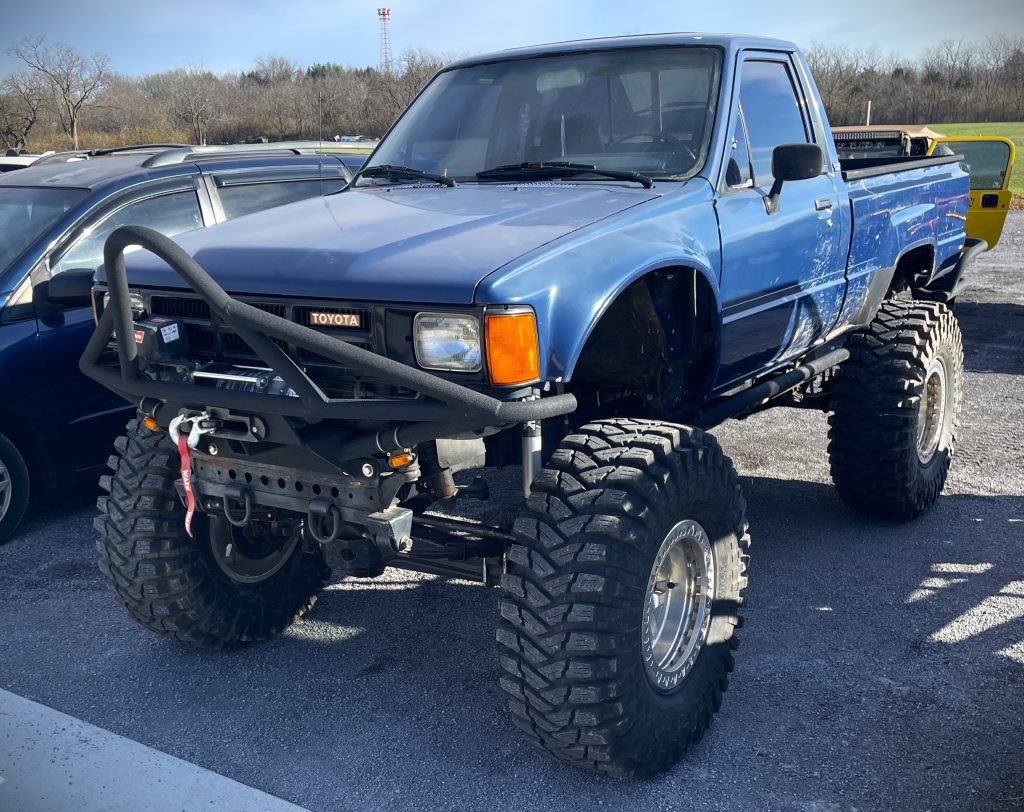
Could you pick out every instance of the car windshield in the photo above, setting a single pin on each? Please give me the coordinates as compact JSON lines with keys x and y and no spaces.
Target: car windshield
{"x":26,"y":213}
{"x":637,"y":110}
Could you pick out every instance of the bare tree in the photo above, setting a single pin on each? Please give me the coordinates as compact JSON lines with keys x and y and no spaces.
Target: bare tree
{"x":21,"y":100}
{"x":394,"y":91}
{"x":193,"y":99}
{"x":74,"y":79}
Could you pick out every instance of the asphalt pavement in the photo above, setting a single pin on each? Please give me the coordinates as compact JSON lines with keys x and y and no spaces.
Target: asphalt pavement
{"x":882,"y":664}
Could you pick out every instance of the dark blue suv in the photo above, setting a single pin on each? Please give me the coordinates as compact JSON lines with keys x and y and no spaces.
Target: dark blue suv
{"x":56,"y":424}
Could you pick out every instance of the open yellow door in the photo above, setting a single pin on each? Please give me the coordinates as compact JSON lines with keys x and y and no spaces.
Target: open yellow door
{"x":989,"y":160}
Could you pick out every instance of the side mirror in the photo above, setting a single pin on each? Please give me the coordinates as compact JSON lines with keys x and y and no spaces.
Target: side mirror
{"x":791,"y":162}
{"x":71,"y":289}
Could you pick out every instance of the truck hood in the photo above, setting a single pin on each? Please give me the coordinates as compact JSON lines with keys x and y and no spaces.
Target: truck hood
{"x":391,"y":243}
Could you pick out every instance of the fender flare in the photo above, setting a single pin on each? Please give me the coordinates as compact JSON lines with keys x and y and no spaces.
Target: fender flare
{"x":689,"y":262}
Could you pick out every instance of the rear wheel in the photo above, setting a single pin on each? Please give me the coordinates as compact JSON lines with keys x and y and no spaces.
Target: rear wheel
{"x":14,"y":488}
{"x":897,"y":410}
{"x":622,"y":596}
{"x":225,"y":587}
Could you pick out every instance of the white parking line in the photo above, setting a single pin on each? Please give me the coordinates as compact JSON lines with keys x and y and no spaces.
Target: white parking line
{"x":51,"y":762}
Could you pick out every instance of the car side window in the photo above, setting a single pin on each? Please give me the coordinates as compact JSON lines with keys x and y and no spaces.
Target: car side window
{"x":738,"y":173}
{"x":986,"y":161}
{"x":245,"y":198}
{"x":771,"y":110}
{"x":170,"y":214}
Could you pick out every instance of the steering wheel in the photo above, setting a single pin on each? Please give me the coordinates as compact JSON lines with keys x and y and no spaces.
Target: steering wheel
{"x":660,"y":138}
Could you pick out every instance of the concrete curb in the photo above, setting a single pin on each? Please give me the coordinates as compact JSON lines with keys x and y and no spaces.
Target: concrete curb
{"x":51,"y":761}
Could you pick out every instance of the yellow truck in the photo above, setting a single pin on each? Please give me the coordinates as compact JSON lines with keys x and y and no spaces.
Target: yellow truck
{"x":988,"y":158}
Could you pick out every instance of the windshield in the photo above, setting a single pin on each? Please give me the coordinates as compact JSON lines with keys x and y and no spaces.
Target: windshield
{"x":26,"y":213}
{"x":638,"y":110}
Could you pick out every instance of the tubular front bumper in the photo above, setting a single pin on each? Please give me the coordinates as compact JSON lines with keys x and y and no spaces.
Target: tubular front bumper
{"x":445,"y":408}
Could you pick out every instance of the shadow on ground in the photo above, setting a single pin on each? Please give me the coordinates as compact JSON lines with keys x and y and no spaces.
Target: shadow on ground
{"x":993,"y":336}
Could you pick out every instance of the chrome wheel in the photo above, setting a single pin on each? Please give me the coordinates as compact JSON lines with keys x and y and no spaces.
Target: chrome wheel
{"x":677,"y":607}
{"x":931,"y":412}
{"x":5,"y":489}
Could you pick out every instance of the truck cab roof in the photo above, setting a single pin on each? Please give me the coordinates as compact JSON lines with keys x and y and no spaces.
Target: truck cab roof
{"x":728,"y":42}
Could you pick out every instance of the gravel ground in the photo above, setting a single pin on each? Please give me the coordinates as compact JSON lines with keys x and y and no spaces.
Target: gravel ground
{"x":882,"y":665}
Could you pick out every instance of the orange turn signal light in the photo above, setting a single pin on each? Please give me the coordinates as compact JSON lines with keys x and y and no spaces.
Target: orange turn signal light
{"x":150,"y":423}
{"x":512,"y":353}
{"x":400,"y":459}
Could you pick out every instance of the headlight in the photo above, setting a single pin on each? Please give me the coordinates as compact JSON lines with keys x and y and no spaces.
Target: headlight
{"x":447,"y":342}
{"x":135,"y":300}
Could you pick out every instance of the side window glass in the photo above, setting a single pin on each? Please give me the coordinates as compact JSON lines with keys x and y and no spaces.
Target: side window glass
{"x":170,"y":214}
{"x":737,"y":171}
{"x":986,"y":161}
{"x":246,"y":198}
{"x":772,"y":113}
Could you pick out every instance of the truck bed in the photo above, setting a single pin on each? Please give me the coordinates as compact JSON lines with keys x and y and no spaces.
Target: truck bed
{"x":908,"y":210}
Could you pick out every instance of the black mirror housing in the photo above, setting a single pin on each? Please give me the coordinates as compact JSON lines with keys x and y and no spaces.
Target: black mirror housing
{"x":797,"y":162}
{"x":791,"y":162}
{"x":71,"y":289}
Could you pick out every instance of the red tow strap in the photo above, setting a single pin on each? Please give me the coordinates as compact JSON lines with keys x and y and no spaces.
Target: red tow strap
{"x":186,"y":481}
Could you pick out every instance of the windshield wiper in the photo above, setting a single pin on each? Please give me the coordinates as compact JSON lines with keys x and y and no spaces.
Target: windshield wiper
{"x":403,"y":172}
{"x":562,"y":169}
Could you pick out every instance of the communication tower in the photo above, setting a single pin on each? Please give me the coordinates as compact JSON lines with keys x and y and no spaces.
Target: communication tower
{"x":384,"y":15}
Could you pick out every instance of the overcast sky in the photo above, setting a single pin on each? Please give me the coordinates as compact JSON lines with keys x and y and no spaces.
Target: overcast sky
{"x":228,"y":35}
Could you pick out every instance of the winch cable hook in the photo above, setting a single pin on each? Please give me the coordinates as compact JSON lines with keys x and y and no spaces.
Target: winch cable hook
{"x":185,"y":443}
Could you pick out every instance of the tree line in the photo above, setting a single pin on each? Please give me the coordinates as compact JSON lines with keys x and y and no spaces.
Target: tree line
{"x":952,"y":82}
{"x":63,"y":98}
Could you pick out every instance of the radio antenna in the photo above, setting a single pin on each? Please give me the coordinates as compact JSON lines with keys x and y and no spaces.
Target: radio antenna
{"x":320,"y":136}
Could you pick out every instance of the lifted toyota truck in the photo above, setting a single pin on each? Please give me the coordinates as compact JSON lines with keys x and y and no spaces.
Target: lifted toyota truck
{"x":576,"y":258}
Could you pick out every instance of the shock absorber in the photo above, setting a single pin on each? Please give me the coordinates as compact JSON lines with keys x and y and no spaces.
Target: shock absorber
{"x":439,"y":479}
{"x":532,"y":446}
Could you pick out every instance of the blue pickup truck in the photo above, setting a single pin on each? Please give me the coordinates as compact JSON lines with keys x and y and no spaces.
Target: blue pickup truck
{"x":576,"y":258}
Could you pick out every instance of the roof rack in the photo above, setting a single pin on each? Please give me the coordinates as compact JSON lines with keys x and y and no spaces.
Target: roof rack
{"x":182,"y":154}
{"x":170,"y":154}
{"x":86,"y":154}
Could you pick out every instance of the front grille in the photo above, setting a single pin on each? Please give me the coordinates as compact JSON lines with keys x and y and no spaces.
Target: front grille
{"x":210,"y":340}
{"x":200,"y":338}
{"x":179,"y":307}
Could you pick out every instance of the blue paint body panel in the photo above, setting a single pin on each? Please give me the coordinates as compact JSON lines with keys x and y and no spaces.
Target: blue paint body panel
{"x":783,"y":283}
{"x":395,"y":243}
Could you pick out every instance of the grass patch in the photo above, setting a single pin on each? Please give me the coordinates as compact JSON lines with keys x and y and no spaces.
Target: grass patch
{"x":1013,"y":130}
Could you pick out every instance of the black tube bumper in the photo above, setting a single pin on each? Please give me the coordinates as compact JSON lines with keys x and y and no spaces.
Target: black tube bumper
{"x":446,"y":408}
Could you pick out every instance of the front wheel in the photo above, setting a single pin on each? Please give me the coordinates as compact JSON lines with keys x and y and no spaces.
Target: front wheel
{"x":14,"y":488}
{"x":622,"y":596}
{"x":223,"y":588}
{"x":897,"y":410}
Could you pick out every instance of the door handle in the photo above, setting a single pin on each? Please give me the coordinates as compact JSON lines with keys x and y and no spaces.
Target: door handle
{"x":823,"y":204}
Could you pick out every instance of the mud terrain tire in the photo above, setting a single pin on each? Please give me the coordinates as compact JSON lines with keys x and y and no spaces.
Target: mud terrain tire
{"x":576,"y":624}
{"x":170,"y":583}
{"x":897,"y":410}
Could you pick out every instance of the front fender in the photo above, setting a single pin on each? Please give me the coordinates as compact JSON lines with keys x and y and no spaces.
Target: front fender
{"x":572,"y":282}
